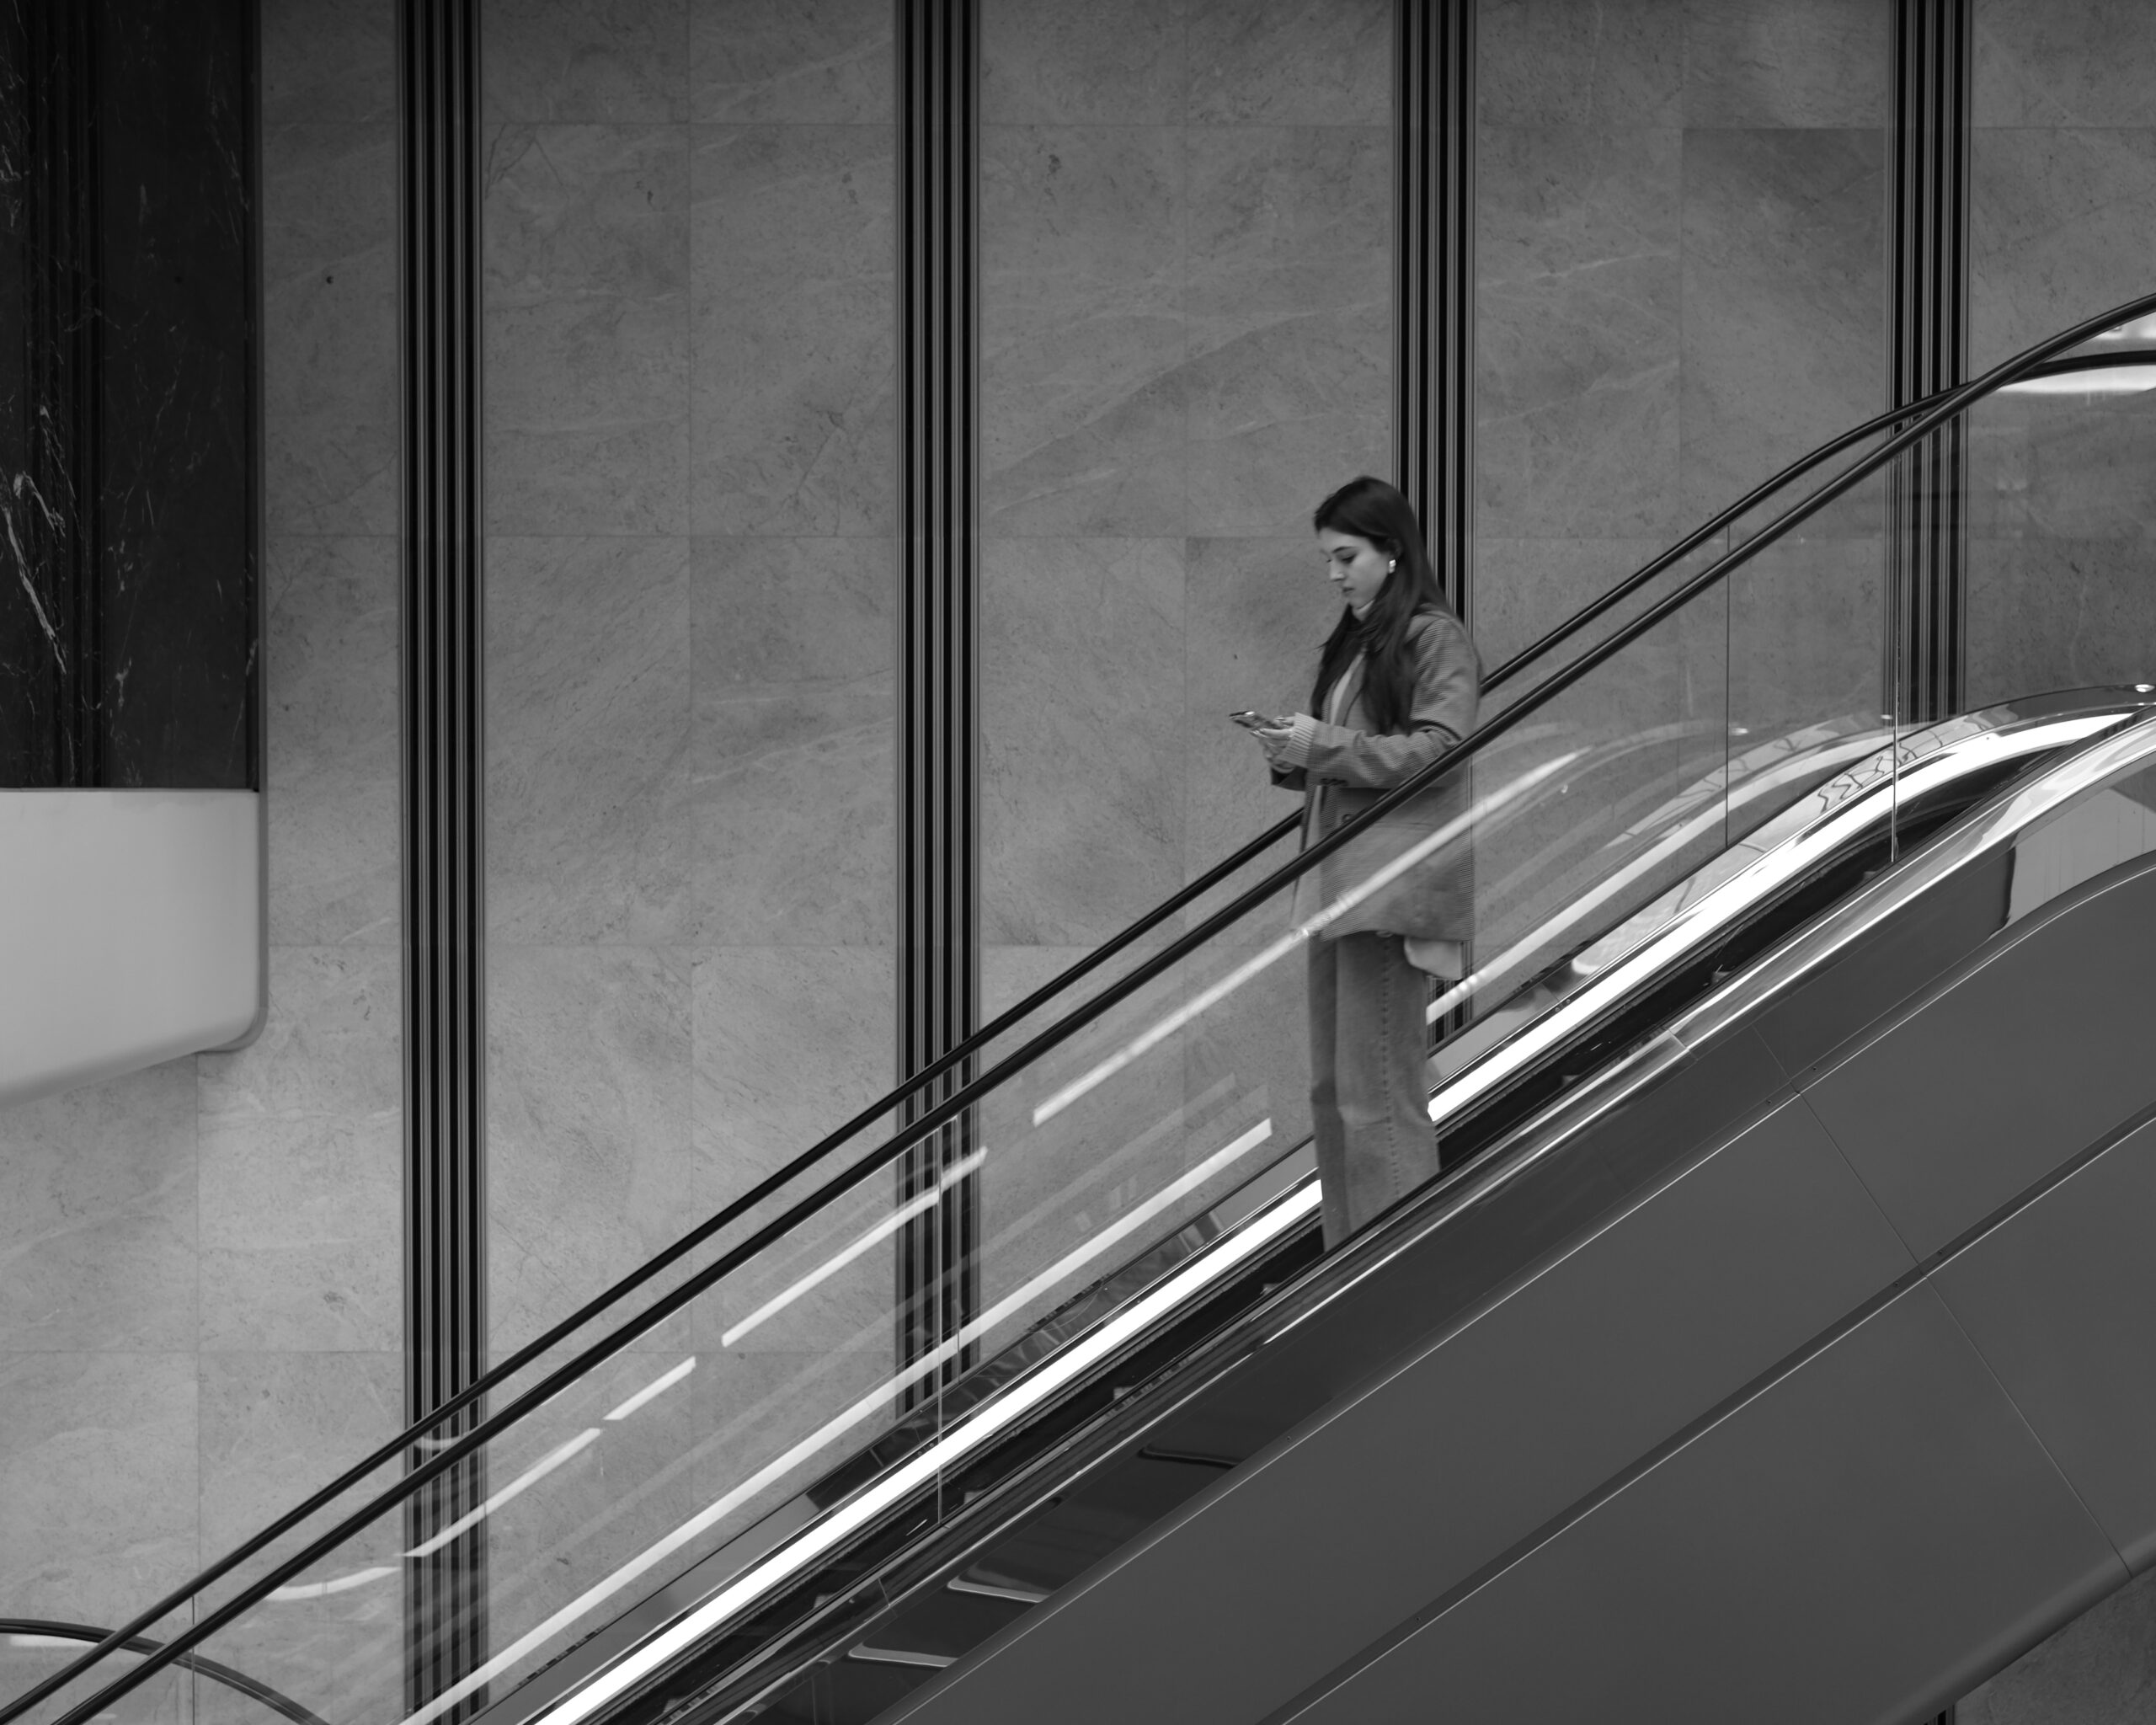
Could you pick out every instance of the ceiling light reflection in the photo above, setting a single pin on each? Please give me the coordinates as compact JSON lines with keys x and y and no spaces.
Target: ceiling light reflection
{"x":2098,"y":380}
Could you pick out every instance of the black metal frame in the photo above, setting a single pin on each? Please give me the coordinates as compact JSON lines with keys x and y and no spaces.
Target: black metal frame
{"x":1433,"y":291}
{"x":1917,"y":422}
{"x":939,"y":672}
{"x":1929,"y":240}
{"x":444,"y":827}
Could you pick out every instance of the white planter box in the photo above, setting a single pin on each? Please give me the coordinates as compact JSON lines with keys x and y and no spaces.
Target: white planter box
{"x":130,"y":931}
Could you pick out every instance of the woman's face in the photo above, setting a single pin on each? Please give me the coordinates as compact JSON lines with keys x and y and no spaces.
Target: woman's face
{"x":1354,"y":566}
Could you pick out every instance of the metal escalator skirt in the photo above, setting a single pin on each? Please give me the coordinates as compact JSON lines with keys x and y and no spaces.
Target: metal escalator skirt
{"x":1863,"y":802}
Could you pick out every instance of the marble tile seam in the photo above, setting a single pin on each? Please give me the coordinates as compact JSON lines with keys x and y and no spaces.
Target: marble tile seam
{"x":1524,"y":284}
{"x":1601,"y":127}
{"x":743,"y":128}
{"x":226,"y":1353}
{"x":1605,"y":128}
{"x":306,"y":270}
{"x":558,"y":425}
{"x":613,"y":535}
{"x":1607,"y":381}
{"x":386,"y":125}
{"x":740,"y":693}
{"x":1206,"y":125}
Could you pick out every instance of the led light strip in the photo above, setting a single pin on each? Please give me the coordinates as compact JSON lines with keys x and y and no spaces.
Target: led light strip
{"x":882,"y":1231}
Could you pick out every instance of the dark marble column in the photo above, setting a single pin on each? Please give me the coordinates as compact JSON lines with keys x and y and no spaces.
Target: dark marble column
{"x":939,"y":671}
{"x":442,"y":677}
{"x":1433,"y":227}
{"x":1926,"y":531}
{"x":128,"y":383}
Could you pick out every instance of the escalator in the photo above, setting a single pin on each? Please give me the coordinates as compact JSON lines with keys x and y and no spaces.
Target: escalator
{"x":1762,"y":1347}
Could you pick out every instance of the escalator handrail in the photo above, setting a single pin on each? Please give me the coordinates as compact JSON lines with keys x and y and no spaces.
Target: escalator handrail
{"x":237,"y":1681}
{"x":1921,"y":421}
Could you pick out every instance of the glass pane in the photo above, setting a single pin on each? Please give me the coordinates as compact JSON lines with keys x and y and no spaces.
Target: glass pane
{"x":2114,"y":824}
{"x":2061,"y":493}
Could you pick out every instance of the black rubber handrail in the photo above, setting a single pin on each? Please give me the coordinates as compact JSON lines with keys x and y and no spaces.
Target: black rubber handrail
{"x":237,"y":1681}
{"x":1921,"y":419}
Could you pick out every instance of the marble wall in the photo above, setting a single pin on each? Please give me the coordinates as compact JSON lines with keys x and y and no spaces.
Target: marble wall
{"x":690,"y":458}
{"x":1186,"y":337}
{"x":2063,"y":217}
{"x":690,"y":320}
{"x":200,"y":1302}
{"x":1186,"y":342}
{"x":2100,"y":1669}
{"x":1680,"y":290}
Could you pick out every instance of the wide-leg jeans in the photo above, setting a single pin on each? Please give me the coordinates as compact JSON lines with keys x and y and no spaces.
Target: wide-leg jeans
{"x":1369,"y":1087}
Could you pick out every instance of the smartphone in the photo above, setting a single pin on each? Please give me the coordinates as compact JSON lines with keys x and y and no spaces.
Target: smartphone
{"x":1257,"y":721}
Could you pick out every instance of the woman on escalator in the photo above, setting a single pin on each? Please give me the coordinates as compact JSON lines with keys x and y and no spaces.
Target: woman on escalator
{"x":1396,"y":687}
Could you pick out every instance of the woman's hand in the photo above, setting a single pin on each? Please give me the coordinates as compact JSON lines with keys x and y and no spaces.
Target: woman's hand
{"x":1274,"y":741}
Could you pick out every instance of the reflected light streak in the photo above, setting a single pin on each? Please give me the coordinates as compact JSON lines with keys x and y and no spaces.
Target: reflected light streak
{"x":656,"y":1387}
{"x":2105,"y":380}
{"x":523,"y":1482}
{"x":1710,"y":816}
{"x":879,"y":1400}
{"x":883,"y":1230}
{"x":319,"y":1589}
{"x":1207,"y":999}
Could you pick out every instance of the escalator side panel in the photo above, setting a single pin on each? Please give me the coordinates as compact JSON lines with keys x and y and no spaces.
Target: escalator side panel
{"x":2055,"y":1299}
{"x":1885,"y":1496}
{"x":1668,"y":1309}
{"x":1830,"y":1013}
{"x":1663,"y":1127}
{"x":2071,"y":1010}
{"x":1681,"y":1114}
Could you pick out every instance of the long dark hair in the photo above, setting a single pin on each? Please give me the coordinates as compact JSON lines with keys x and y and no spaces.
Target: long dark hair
{"x":1370,"y":509}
